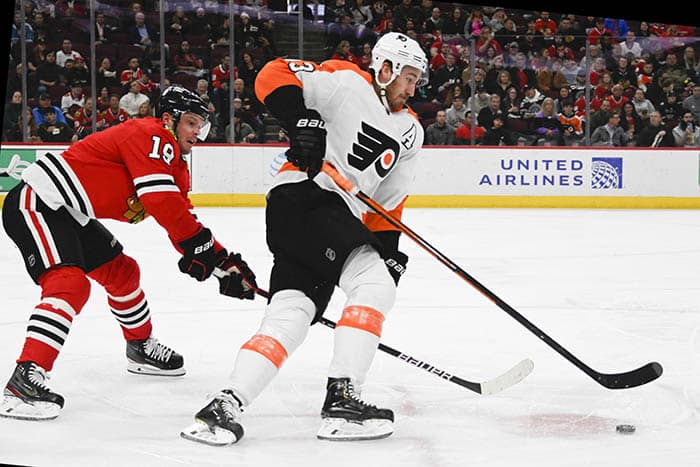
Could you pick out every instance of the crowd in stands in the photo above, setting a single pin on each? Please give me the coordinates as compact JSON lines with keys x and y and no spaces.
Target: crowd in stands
{"x":528,"y":86}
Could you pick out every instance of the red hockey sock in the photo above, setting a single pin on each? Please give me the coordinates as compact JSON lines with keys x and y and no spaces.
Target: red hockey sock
{"x":120,"y":278}
{"x":64,"y":291}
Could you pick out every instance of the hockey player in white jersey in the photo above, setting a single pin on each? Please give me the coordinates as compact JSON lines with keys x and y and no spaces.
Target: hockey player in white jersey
{"x":321,"y":237}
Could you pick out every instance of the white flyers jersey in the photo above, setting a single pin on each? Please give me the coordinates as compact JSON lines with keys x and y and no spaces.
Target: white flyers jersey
{"x":372,"y":148}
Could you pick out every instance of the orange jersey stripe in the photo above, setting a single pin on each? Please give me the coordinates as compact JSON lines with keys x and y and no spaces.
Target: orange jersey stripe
{"x":276,"y":74}
{"x":268,"y":347}
{"x":362,"y":317}
{"x":377,"y":223}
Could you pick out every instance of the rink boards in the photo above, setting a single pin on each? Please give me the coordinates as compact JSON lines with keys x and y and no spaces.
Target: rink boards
{"x":225,"y":175}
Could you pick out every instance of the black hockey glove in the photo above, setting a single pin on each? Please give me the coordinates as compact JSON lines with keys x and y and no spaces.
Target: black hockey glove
{"x":396,"y":264}
{"x":307,"y":142}
{"x":235,"y":277}
{"x":198,"y":258}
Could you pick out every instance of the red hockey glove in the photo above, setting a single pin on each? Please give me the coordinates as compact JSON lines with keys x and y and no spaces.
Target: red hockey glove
{"x":235,"y":277}
{"x":198,"y":259}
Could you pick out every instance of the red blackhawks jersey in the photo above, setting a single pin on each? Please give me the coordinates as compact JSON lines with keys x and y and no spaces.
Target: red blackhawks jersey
{"x":374,"y":149}
{"x":124,"y":173}
{"x":111,"y":119}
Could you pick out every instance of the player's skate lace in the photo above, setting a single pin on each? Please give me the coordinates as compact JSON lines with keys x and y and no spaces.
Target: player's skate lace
{"x":156,"y":350}
{"x":229,"y":404}
{"x":353,"y":395}
{"x":37,"y":376}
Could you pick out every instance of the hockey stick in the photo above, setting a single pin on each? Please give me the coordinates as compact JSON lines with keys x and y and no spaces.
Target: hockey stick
{"x":629,"y":379}
{"x":492,"y":386}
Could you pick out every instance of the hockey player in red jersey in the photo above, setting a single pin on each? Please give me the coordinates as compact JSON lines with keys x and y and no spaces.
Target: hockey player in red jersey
{"x":321,"y":237}
{"x":125,"y":173}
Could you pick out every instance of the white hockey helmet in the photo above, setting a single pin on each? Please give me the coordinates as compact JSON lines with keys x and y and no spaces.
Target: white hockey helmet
{"x":400,"y":50}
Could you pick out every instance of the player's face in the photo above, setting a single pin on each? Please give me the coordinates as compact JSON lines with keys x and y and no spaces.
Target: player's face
{"x":188,"y":129}
{"x":403,"y":87}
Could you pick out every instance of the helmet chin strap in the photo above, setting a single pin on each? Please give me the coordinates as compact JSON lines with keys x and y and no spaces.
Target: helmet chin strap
{"x":382,"y":92}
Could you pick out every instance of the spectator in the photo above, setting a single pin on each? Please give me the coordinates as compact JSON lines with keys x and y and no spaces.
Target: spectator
{"x":595,"y":34}
{"x":545,"y":25}
{"x":564,"y":95}
{"x":610,"y":134}
{"x":200,"y":25}
{"x":362,"y":17}
{"x":246,"y":32}
{"x":456,"y":113}
{"x":44,"y":103}
{"x":66,"y":52}
{"x":630,"y":45}
{"x":672,"y":71}
{"x":571,"y":123}
{"x":646,"y":77}
{"x":365,"y":59}
{"x":454,"y":24}
{"x":522,"y":75}
{"x":37,"y":55}
{"x":144,"y":110}
{"x":547,"y":125}
{"x":73,"y":97}
{"x":282,"y":136}
{"x":478,"y":101}
{"x":571,"y":71}
{"x":510,"y":105}
{"x":82,"y":122}
{"x":498,"y":78}
{"x":446,"y":76}
{"x":485,"y":116}
{"x":497,"y":135}
{"x":243,"y":133}
{"x":342,"y":52}
{"x":103,"y":100}
{"x":617,"y":99}
{"x":131,"y":74}
{"x":41,"y":29}
{"x":248,"y":69}
{"x":463,"y":134}
{"x":103,"y":31}
{"x":624,"y":74}
{"x":642,"y":106}
{"x":53,"y":131}
{"x":655,"y":134}
{"x":686,"y":134}
{"x":187,"y":62}
{"x":692,"y":102}
{"x":550,"y":79}
{"x":141,"y":33}
{"x":435,"y":22}
{"x":78,"y":72}
{"x":114,"y":115}
{"x":14,"y":81}
{"x":690,"y":64}
{"x":474,"y":23}
{"x":439,"y":133}
{"x":106,"y":76}
{"x":440,"y":58}
{"x":132,"y":100}
{"x":601,"y":116}
{"x":11,"y":119}
{"x":220,"y":77}
{"x":531,"y":102}
{"x":670,"y":109}
{"x":179,"y":22}
{"x":630,"y":120}
{"x":487,"y":41}
{"x":17,"y":27}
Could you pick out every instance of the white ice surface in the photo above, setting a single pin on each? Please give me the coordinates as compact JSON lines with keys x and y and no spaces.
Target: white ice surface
{"x":616,"y":288}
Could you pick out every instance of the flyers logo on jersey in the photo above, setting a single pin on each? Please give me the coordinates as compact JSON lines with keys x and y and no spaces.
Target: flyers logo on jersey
{"x":374,"y":146}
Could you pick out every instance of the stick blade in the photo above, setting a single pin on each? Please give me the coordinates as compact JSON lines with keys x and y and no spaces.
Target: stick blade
{"x":508,"y":379}
{"x":642,"y":375}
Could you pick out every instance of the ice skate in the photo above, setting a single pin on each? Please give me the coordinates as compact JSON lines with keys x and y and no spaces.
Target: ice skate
{"x":150,"y":357}
{"x":346,"y":417}
{"x":217,"y":424}
{"x":27,"y":397}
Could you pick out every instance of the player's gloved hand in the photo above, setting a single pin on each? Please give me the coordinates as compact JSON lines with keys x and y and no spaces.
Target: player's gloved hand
{"x":235,"y":277}
{"x":307,"y":142}
{"x":198,"y":258}
{"x":396,"y":264}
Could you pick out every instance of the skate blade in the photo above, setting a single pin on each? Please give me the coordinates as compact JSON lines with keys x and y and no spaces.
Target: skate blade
{"x":339,"y":429}
{"x":201,"y":433}
{"x":146,"y":369}
{"x":14,"y":407}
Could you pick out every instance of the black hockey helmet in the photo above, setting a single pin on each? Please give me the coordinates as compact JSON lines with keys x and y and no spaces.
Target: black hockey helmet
{"x":177,"y":100}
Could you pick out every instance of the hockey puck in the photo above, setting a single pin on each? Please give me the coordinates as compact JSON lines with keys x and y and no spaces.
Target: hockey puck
{"x":626,"y":429}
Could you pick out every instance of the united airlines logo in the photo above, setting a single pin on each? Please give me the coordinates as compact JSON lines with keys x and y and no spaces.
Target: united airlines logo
{"x":606,"y":173}
{"x":374,"y":147}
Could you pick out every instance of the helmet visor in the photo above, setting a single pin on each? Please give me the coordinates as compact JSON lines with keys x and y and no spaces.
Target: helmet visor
{"x":204,"y":130}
